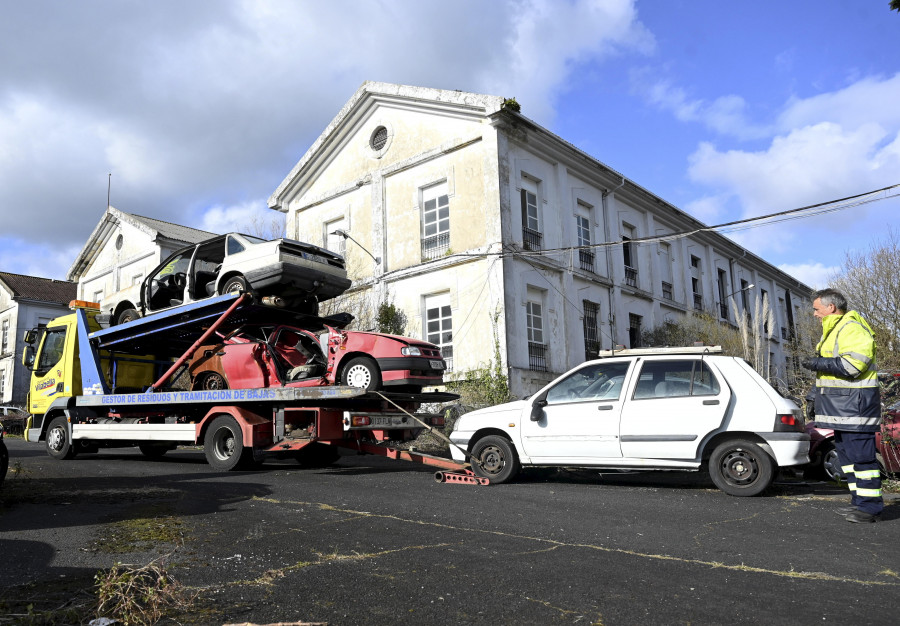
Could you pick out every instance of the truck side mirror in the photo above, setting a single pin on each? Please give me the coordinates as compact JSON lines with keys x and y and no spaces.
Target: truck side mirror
{"x":28,"y":357}
{"x":537,"y":408}
{"x":30,"y":336}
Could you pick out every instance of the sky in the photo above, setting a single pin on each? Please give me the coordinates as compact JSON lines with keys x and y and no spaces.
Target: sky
{"x":194,"y":112}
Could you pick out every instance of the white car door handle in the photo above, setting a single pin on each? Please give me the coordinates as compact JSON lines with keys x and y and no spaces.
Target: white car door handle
{"x":604,"y":407}
{"x":710,"y":402}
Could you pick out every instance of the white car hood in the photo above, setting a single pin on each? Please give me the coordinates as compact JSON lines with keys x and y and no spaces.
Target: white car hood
{"x":492,"y":414}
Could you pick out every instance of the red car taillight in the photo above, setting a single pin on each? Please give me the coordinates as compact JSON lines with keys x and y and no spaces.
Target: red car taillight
{"x":788,"y":422}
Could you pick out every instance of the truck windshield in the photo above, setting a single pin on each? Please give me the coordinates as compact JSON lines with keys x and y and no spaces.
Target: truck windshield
{"x":52,"y":349}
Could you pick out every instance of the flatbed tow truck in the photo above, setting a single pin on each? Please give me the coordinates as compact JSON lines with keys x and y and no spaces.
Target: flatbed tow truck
{"x":95,"y":388}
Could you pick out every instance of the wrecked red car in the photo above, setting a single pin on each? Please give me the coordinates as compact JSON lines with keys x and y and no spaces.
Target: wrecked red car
{"x":280,"y":355}
{"x":824,"y":461}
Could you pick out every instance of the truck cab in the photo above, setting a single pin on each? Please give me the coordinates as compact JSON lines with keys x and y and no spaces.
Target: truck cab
{"x":52,"y":354}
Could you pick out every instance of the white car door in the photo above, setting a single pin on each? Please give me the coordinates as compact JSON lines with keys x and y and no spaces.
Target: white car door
{"x":676,"y":402}
{"x":578,"y":416}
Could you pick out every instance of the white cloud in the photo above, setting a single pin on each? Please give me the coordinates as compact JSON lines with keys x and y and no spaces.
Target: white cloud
{"x":727,"y":115}
{"x":815,"y":275}
{"x":217,"y":106}
{"x":252,"y":218}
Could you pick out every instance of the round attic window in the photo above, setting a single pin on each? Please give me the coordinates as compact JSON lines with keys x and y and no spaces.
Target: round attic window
{"x":119,"y":241}
{"x":379,"y":139}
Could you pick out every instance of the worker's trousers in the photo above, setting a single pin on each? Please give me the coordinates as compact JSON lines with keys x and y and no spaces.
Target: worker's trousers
{"x":856,"y":453}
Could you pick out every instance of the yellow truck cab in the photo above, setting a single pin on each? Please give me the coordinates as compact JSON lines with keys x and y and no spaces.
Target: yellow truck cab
{"x":53,"y":358}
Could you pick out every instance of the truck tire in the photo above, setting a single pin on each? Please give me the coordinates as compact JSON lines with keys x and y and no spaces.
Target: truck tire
{"x":362,"y":372}
{"x":741,"y":468}
{"x":224,"y":445}
{"x":494,"y":457}
{"x":59,"y":445}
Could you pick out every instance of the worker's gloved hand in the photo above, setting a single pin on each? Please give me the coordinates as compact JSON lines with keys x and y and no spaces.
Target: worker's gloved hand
{"x":827,"y":365}
{"x":810,"y":363}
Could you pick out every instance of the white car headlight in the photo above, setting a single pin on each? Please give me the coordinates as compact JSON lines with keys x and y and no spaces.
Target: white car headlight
{"x":410,"y":351}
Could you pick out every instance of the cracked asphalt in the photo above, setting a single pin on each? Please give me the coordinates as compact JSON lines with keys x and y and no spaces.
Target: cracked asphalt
{"x":373,"y":541}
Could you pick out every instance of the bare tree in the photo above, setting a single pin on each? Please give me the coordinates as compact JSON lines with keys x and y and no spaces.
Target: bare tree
{"x":871,"y":282}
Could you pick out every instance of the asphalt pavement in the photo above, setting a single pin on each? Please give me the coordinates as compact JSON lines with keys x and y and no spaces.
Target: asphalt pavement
{"x":374,"y":541}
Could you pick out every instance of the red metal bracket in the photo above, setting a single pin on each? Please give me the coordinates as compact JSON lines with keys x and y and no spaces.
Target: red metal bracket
{"x":462,"y":477}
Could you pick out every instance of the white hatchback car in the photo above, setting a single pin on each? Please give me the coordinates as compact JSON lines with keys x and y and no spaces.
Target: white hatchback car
{"x":644,"y":409}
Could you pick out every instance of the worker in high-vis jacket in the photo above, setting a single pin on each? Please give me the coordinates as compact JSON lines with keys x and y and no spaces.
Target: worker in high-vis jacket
{"x":848,"y":400}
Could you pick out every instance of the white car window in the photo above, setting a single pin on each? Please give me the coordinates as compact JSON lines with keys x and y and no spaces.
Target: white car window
{"x":597,"y":381}
{"x":675,"y":379}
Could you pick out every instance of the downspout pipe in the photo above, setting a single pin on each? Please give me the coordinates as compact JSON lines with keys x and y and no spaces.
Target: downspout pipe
{"x":609,"y":265}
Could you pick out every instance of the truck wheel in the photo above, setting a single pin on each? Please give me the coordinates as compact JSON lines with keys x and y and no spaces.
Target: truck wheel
{"x":59,"y":446}
{"x":224,"y":445}
{"x":741,"y":468}
{"x":128,"y":315}
{"x":154,"y":450}
{"x":362,"y":372}
{"x":493,"y":457}
{"x":317,"y":455}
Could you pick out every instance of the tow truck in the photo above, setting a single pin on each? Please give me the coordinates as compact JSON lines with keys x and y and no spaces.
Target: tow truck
{"x":95,"y":388}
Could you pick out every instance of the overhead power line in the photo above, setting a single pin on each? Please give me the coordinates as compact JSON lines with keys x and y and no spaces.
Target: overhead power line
{"x":811,"y":210}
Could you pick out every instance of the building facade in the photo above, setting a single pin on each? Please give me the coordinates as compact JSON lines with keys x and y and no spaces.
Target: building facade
{"x":26,"y":302}
{"x":488,"y":231}
{"x":120,"y":252}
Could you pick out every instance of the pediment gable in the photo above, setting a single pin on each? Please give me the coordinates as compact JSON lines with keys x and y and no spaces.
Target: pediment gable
{"x":382,"y":107}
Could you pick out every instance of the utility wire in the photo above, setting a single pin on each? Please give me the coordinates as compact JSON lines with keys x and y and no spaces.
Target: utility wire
{"x":811,"y":210}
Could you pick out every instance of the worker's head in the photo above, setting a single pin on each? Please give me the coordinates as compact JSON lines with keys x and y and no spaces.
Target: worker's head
{"x":828,"y":302}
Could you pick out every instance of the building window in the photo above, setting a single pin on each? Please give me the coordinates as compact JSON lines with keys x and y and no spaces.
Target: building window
{"x":665,"y":266}
{"x":98,"y":296}
{"x":764,"y":297}
{"x":634,"y":330}
{"x":667,"y":291}
{"x":696,"y":287}
{"x":137,"y":279}
{"x":745,"y":297}
{"x":531,"y":225}
{"x":435,"y":222}
{"x":723,"y":294}
{"x":334,"y":242}
{"x":4,"y":343}
{"x":591,"y":330}
{"x":534,"y":324}
{"x":583,"y":234}
{"x":439,"y":325}
{"x":3,"y":385}
{"x":629,"y":255}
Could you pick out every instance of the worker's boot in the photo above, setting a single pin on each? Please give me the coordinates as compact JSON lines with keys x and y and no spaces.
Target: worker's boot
{"x":861,"y":517}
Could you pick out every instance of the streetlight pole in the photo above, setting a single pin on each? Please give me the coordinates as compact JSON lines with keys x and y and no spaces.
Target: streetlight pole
{"x":343,"y":233}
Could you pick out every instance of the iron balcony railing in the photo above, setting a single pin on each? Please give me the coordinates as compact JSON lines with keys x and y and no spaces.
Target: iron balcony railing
{"x":586,"y":260}
{"x":537,"y":357}
{"x":447,"y":353}
{"x":531,"y":239}
{"x":435,"y":246}
{"x":630,"y":276}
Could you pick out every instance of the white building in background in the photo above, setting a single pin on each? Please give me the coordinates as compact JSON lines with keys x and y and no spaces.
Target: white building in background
{"x":121,"y":251}
{"x":26,"y":302}
{"x":465,"y":211}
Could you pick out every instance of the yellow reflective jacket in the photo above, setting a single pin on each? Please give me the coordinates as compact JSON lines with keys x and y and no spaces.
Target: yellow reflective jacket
{"x":848,"y":402}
